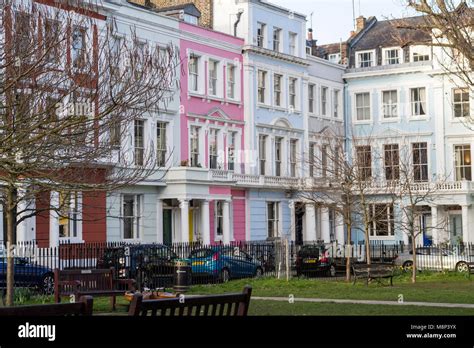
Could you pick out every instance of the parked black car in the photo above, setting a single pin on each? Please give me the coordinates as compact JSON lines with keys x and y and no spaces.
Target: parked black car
{"x":28,"y":274}
{"x":151,"y":265}
{"x":311,"y":260}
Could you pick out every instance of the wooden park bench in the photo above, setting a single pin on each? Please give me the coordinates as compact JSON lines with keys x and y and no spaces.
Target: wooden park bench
{"x":376,"y":271}
{"x":93,"y":282}
{"x":212,"y":305}
{"x":82,"y":308}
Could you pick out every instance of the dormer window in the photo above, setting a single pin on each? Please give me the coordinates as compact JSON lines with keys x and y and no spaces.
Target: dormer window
{"x":365,"y":59}
{"x":392,"y":56}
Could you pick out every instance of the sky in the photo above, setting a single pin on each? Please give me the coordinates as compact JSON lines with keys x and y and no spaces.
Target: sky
{"x":333,"y":19}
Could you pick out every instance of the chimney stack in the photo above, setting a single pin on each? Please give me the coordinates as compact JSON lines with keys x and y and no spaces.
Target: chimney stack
{"x":360,"y":23}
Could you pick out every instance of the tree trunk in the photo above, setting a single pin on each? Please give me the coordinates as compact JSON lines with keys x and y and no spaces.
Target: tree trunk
{"x":367,"y":245}
{"x":413,"y":248}
{"x":349,"y":255}
{"x":11,"y":223}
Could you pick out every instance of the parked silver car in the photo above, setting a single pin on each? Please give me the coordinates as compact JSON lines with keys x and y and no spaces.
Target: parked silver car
{"x":435,"y":259}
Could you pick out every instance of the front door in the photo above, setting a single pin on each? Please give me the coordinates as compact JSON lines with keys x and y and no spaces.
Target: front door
{"x":455,"y":227}
{"x":167,"y":226}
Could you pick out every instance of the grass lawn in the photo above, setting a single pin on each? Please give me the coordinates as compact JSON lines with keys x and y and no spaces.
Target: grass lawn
{"x":430,"y":287}
{"x":267,"y":308}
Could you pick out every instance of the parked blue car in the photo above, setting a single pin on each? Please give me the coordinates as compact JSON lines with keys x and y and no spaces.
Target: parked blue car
{"x":27,"y":274}
{"x":224,"y":263}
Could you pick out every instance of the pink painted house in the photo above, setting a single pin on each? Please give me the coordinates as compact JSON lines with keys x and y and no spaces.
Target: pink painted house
{"x":211,"y":135}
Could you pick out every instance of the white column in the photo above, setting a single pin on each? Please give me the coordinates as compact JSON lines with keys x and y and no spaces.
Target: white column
{"x":465,"y":223}
{"x":184,"y":207}
{"x":340,"y":229}
{"x":22,"y":227}
{"x":434,"y":225}
{"x":226,"y":222}
{"x":159,"y":221}
{"x":292,"y":220}
{"x":205,"y":225}
{"x":325,"y":232}
{"x":54,"y":220}
{"x":310,"y":233}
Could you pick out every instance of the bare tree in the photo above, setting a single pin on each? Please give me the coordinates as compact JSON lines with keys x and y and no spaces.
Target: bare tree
{"x":408,"y":186}
{"x":450,"y":24}
{"x":70,"y":94}
{"x":344,"y":183}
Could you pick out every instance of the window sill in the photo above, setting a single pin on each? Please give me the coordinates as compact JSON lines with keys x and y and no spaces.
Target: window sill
{"x":368,"y":122}
{"x":233,"y":101}
{"x":390,"y":120}
{"x":263,"y":106}
{"x":418,"y":118}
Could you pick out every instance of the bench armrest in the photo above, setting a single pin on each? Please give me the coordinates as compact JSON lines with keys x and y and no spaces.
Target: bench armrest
{"x":131,"y":283}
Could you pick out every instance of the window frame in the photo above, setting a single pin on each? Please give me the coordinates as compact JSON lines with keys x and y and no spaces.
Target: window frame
{"x":278,"y":156}
{"x":418,"y":174}
{"x":194,"y":151}
{"x":390,"y":60}
{"x":364,"y":164}
{"x":213,"y":150}
{"x":462,"y":167}
{"x":311,"y":98}
{"x":461,"y":103}
{"x":293,"y":157}
{"x":261,"y":33}
{"x":365,"y":107}
{"x":376,"y":221}
{"x":274,"y":220}
{"x":262,"y":86}
{"x":371,"y":63}
{"x":392,"y":161}
{"x":193,"y":76}
{"x":391,"y":106}
{"x":277,"y":92}
{"x":213,"y":79}
{"x":419,"y":104}
{"x":136,"y":217}
{"x":139,"y":145}
{"x":161,"y":143}
{"x":276,"y":39}
{"x":262,"y":153}
{"x":324,"y":100}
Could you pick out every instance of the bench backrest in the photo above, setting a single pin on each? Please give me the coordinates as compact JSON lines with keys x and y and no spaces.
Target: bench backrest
{"x":213,"y":305}
{"x":82,"y":308}
{"x":375,"y":267}
{"x":90,"y":279}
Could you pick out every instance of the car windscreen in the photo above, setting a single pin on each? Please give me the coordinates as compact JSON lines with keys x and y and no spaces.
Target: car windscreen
{"x":201,"y":254}
{"x":312,"y":251}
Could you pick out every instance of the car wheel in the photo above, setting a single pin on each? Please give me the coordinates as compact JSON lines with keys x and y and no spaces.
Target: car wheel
{"x":332,"y":271}
{"x":47,"y":284}
{"x":225,"y":275}
{"x":259,"y":273}
{"x":407,"y":265}
{"x":462,"y":267}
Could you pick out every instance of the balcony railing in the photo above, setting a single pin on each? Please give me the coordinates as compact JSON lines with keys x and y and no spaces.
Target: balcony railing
{"x":390,"y":67}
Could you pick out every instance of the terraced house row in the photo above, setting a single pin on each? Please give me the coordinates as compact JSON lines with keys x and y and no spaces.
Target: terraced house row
{"x":247,"y":131}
